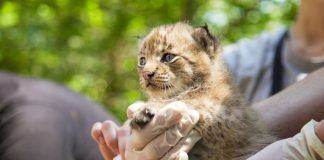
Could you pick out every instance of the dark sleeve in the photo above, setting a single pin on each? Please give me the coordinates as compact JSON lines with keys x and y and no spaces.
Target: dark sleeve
{"x":36,"y":132}
{"x":44,"y":121}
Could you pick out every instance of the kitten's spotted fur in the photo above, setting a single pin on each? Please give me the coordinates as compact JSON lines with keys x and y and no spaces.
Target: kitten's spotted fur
{"x":181,"y":62}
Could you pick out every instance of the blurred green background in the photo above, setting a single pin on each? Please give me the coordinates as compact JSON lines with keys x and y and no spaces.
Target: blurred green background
{"x":90,"y":45}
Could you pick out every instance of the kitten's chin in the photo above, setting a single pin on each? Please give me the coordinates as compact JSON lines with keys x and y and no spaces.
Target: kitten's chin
{"x":155,"y":91}
{"x":159,"y":95}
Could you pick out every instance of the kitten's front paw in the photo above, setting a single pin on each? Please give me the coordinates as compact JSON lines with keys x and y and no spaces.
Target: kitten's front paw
{"x":141,"y":118}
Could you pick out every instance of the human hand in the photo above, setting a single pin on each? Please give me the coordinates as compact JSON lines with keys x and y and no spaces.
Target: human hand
{"x":169,"y":136}
{"x":111,"y":139}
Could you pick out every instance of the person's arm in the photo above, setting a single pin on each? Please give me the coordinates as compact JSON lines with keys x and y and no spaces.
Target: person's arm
{"x":286,"y":112}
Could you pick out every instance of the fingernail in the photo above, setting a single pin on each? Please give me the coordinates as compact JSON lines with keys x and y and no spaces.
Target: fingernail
{"x":97,"y":126}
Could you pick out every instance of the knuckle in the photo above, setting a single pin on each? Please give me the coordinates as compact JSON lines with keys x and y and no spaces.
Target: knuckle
{"x":107,"y":125}
{"x":173,"y":136}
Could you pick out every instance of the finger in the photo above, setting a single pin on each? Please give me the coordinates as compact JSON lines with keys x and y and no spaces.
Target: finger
{"x":183,"y":147}
{"x":96,"y":131}
{"x":164,"y":142}
{"x":109,"y":131}
{"x":188,"y":121}
{"x":164,"y":119}
{"x":106,"y":152}
{"x":123,"y":135}
{"x":134,"y":107}
{"x":96,"y":134}
{"x":156,"y":148}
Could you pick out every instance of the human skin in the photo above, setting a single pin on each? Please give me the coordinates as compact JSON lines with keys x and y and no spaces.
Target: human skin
{"x":308,"y":30}
{"x":286,"y":112}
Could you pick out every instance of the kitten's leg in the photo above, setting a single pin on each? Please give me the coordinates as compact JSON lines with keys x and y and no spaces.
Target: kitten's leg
{"x":141,"y":118}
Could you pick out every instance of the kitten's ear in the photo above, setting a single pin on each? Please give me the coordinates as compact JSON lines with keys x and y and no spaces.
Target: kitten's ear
{"x":205,"y":39}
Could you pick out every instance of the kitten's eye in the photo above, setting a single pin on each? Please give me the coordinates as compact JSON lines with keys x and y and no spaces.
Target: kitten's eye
{"x":167,"y":57}
{"x":142,"y":61}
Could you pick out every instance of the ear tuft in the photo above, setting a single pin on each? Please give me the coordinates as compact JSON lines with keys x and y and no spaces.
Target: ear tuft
{"x":205,"y":39}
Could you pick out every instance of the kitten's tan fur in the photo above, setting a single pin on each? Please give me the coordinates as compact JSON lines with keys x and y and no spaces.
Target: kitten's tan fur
{"x":196,"y":75}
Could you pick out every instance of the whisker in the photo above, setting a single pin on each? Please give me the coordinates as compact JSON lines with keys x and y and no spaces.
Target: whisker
{"x":169,"y":89}
{"x":164,"y":90}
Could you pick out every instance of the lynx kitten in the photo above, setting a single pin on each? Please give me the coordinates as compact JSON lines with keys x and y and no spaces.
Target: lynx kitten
{"x":181,"y":62}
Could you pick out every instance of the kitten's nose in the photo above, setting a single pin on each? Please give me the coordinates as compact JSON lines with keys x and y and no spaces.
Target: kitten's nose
{"x":147,"y":75}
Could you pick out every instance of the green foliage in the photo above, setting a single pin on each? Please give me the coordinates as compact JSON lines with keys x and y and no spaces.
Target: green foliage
{"x":90,"y":45}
